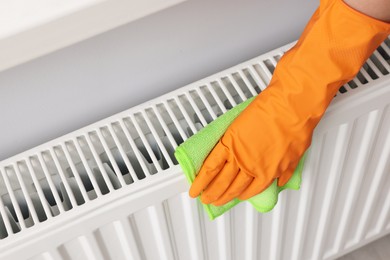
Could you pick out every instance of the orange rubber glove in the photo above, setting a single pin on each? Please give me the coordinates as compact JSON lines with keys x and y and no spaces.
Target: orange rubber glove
{"x":269,"y":137}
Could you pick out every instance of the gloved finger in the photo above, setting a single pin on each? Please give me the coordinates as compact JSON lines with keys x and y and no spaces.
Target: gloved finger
{"x":257,"y":185}
{"x":239,"y":184}
{"x":221,"y":182}
{"x":213,"y":164}
{"x":285,"y":177}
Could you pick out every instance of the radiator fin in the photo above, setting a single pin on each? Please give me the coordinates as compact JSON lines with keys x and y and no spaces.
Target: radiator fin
{"x":95,"y":169}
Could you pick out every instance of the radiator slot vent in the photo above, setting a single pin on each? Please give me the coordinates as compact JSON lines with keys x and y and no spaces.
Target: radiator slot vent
{"x":375,"y":67}
{"x":132,"y":146}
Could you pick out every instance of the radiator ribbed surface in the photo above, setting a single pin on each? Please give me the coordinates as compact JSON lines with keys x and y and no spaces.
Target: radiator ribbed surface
{"x":113,"y":190}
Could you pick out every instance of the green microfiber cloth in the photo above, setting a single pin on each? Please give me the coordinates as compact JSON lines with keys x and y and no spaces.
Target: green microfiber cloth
{"x":192,"y":153}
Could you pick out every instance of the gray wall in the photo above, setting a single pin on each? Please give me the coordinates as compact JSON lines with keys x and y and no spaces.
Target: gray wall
{"x":71,"y":88}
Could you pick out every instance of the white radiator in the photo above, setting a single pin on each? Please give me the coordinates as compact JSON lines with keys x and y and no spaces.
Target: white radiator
{"x":113,"y":190}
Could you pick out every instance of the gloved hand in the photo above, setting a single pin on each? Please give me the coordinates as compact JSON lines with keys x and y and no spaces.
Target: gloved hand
{"x":268,"y":138}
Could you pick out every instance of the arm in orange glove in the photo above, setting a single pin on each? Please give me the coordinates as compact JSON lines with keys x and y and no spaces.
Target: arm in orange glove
{"x":269,"y":137}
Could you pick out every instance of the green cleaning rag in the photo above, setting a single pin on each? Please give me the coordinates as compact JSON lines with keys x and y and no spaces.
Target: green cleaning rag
{"x":192,"y":153}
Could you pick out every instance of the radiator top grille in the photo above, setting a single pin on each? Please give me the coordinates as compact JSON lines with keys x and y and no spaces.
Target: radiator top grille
{"x":134,"y":145}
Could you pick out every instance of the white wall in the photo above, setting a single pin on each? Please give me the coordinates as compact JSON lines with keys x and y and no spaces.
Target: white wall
{"x":76,"y":86}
